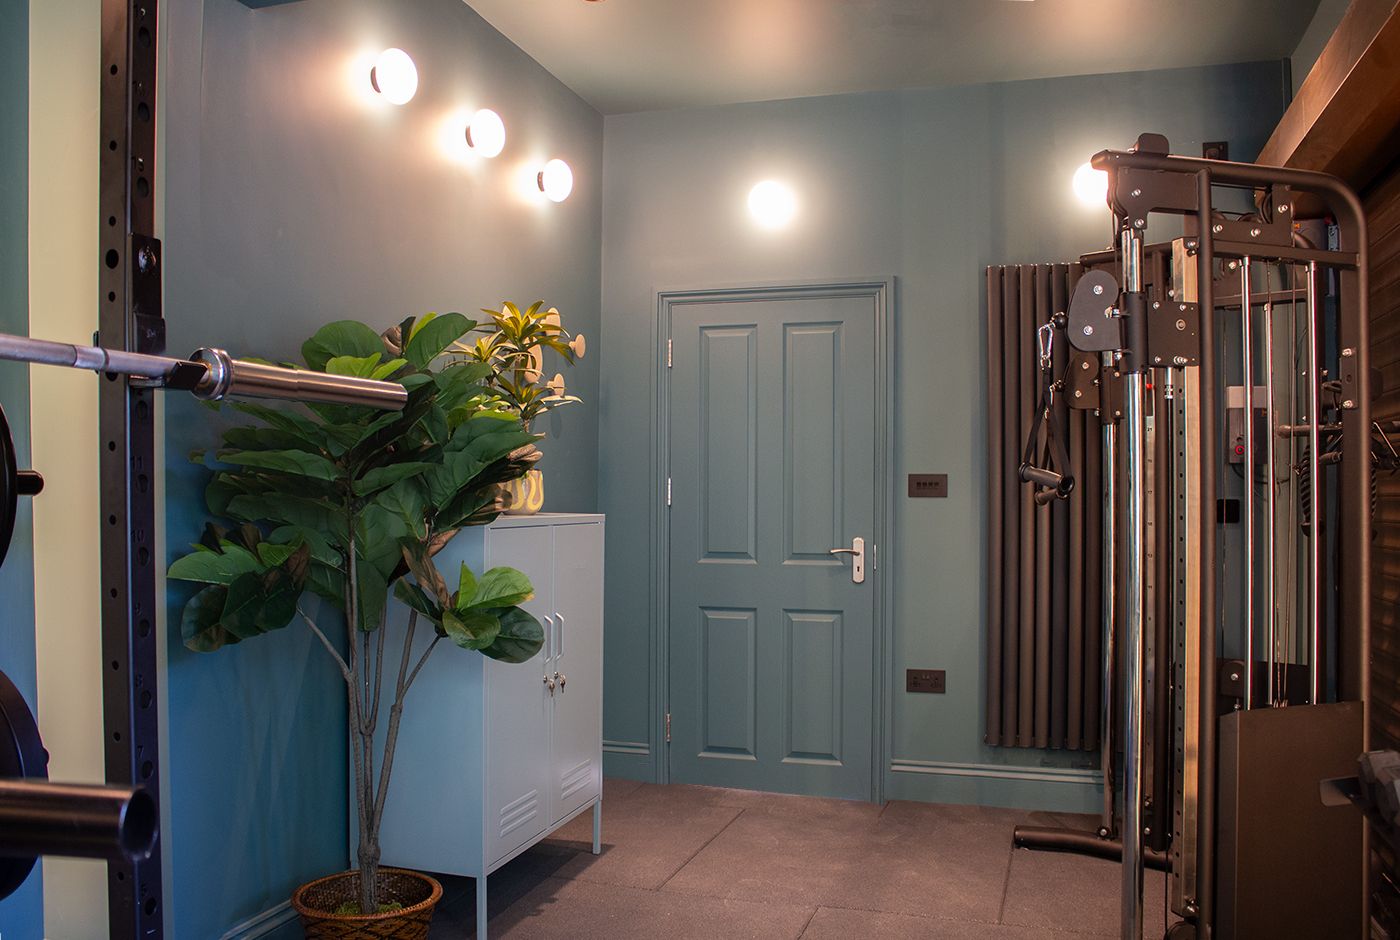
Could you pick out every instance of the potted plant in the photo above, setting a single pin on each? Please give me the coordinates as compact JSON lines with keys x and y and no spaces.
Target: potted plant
{"x":513,"y":348}
{"x":349,"y":503}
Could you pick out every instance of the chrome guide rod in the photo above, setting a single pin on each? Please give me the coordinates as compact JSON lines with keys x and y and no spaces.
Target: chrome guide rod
{"x":1316,"y":693}
{"x":1109,"y":563}
{"x":1134,"y":402}
{"x":1247,"y":515}
{"x":211,"y":374}
{"x":1270,"y":597}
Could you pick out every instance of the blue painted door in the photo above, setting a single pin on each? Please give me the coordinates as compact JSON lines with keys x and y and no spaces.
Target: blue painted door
{"x":772,"y":465}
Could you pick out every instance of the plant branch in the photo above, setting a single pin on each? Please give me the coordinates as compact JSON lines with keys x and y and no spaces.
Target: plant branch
{"x":339,"y":661}
{"x":426,"y":653}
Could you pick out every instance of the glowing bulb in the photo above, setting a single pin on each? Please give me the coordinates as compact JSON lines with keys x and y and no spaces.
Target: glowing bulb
{"x":1091,"y":185}
{"x":486,"y":134}
{"x":394,"y":76}
{"x":772,"y":204}
{"x":556,"y":180}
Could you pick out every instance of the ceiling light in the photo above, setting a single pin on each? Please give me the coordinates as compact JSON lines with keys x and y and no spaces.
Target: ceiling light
{"x":486,"y":134}
{"x":394,"y":76}
{"x":1091,"y":185}
{"x":772,"y":204}
{"x":556,"y":180}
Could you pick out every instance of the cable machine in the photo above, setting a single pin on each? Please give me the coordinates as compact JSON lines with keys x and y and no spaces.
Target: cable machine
{"x":1232,"y":391}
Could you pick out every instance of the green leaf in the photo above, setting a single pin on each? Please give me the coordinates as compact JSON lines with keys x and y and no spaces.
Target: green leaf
{"x":222,"y":567}
{"x":341,"y":338}
{"x":199,"y":624}
{"x":413,"y":596}
{"x":431,"y":336}
{"x":501,"y":587}
{"x":296,"y":462}
{"x":388,"y":369}
{"x":466,"y":588}
{"x":290,"y":510}
{"x":381,"y":477}
{"x":273,"y":555}
{"x":472,"y":629}
{"x":520,"y":638}
{"x":359,"y":366}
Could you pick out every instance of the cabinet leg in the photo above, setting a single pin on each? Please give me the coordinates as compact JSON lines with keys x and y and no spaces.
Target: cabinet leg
{"x":481,"y":908}
{"x":598,"y":826}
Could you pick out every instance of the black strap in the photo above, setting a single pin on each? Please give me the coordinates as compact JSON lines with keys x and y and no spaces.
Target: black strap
{"x":1054,"y":475}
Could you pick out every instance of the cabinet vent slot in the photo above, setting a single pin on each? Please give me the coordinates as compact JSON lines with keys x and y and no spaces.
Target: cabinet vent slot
{"x":516,"y":814}
{"x":576,"y":779}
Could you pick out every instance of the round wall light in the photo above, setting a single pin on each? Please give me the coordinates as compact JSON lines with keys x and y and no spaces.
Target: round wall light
{"x":556,"y":180}
{"x":394,"y":76}
{"x":1091,"y":185}
{"x":772,"y":204}
{"x":486,"y":134}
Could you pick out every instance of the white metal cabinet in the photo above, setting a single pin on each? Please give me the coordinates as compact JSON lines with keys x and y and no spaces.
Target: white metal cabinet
{"x":492,"y":757}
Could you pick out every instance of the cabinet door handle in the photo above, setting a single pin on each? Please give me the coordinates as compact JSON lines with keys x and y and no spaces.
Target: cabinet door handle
{"x":558,"y":634}
{"x":548,"y":638}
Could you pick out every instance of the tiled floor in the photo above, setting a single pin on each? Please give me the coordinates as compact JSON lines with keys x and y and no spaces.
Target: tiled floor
{"x":682,"y":862}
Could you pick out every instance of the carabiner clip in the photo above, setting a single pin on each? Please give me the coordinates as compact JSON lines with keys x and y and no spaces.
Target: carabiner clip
{"x":1045,"y":337}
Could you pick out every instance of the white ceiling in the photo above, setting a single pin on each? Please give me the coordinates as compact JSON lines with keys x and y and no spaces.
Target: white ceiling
{"x":639,"y":55}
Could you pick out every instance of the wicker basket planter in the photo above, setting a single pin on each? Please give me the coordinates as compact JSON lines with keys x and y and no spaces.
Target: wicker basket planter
{"x":418,"y":894}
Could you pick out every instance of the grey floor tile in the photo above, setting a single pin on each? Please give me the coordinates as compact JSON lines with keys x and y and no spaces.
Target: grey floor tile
{"x":583,"y":910}
{"x":1075,"y":893}
{"x":843,"y":924}
{"x":853,"y":859}
{"x":648,"y":834}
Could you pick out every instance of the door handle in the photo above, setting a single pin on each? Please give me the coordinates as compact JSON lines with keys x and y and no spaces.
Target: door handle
{"x":857,"y":553}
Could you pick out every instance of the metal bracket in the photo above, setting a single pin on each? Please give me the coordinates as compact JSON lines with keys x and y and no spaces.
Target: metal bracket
{"x":1174,"y":334}
{"x":1092,"y":321}
{"x":1082,"y":381}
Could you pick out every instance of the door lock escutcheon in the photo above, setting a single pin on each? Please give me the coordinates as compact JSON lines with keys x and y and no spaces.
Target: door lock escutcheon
{"x":857,"y":553}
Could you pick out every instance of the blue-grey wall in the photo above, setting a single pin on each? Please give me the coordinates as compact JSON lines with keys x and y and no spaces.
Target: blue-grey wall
{"x":22,"y":913}
{"x":929,"y":186}
{"x":294,"y":197}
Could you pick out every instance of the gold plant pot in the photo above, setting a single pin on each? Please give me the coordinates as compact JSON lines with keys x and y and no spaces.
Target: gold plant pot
{"x":525,"y":496}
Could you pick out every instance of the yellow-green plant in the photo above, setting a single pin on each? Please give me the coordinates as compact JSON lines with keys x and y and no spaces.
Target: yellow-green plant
{"x":514,"y":349}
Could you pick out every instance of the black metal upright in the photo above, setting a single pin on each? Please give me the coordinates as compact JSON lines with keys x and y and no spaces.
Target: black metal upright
{"x":129,"y":319}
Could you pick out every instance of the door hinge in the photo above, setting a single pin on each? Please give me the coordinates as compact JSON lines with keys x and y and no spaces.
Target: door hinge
{"x":668,"y":727}
{"x":668,"y":352}
{"x":668,"y":491}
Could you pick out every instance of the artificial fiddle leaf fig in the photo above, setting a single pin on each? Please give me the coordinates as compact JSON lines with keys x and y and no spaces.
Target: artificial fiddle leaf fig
{"x":309,"y":495}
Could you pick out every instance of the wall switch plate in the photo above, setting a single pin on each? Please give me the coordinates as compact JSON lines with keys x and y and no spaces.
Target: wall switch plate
{"x":928,"y":484}
{"x":925,"y":680}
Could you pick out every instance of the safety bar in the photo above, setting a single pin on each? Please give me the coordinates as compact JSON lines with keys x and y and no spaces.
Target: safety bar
{"x":76,"y":820}
{"x":211,"y":374}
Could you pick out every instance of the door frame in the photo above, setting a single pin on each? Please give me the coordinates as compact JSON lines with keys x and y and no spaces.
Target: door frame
{"x":881,"y":290}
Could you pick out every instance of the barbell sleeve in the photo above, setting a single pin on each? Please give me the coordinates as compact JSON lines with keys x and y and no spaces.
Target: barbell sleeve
{"x":75,"y":820}
{"x":226,"y":376}
{"x":211,"y":374}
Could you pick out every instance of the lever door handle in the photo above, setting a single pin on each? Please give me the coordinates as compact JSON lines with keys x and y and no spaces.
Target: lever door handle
{"x":857,"y":553}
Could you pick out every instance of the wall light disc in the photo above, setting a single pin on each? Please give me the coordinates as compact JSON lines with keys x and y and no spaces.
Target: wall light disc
{"x":486,"y":134}
{"x":556,"y":180}
{"x":772,"y":204}
{"x":394,"y":76}
{"x":1091,"y":185}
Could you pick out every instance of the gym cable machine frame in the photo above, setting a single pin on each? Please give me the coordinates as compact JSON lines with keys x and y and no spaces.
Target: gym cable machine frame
{"x":119,"y":821}
{"x":1166,"y":344}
